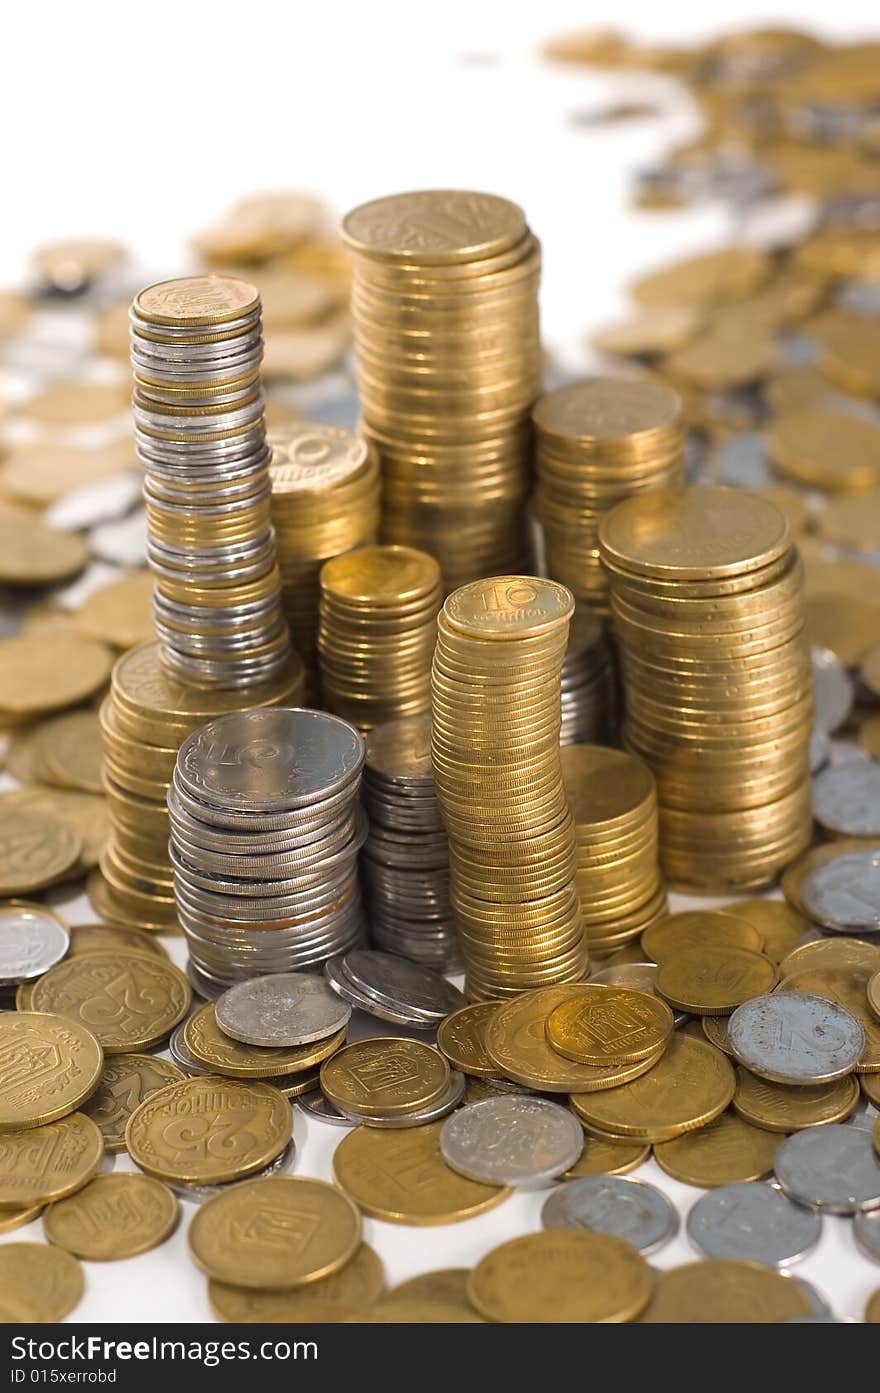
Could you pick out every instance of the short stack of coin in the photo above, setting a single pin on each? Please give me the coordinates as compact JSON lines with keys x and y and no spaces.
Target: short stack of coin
{"x":589,"y":683}
{"x":405,"y":859}
{"x":613,"y":800}
{"x":495,"y":750}
{"x":378,"y":626}
{"x":707,"y":600}
{"x":325,"y":501}
{"x":445,"y":312}
{"x":266,"y":827}
{"x":144,"y":720}
{"x":196,"y":348}
{"x":597,"y":442}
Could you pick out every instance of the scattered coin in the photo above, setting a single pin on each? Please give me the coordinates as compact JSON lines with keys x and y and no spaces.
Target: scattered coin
{"x":445,"y":1103}
{"x":722,"y":1292}
{"x":724,"y":1152}
{"x":35,"y":850}
{"x":338,"y":1297}
{"x":872,"y":1308}
{"x":218,"y":1051}
{"x":446,"y":1287}
{"x":11,"y":1219}
{"x":513,"y":1141}
{"x":847,"y":987}
{"x":32,"y":939}
{"x":638,"y":1213}
{"x":712,"y":981}
{"x":789,"y":1037}
{"x":130,"y":1000}
{"x":126,"y":1080}
{"x":844,"y":893}
{"x":561,"y":1277}
{"x":46,"y":1163}
{"x":779,"y":925}
{"x":461,"y":1037}
{"x":690,"y":1086}
{"x":99,"y":938}
{"x":831,"y":1168}
{"x":38,"y":1283}
{"x":281,"y":1009}
{"x":603,"y":1025}
{"x":113,"y":1217}
{"x":37,"y":677}
{"x":779,"y":1107}
{"x":119,"y":613}
{"x":846,"y":800}
{"x":752,"y":1222}
{"x":601,"y":1156}
{"x":69,"y":752}
{"x":49,"y":1065}
{"x":316,"y":1105}
{"x":401,"y":985}
{"x":388,"y":1077}
{"x":699,"y":928}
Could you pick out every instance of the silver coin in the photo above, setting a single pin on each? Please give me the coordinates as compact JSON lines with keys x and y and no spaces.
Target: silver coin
{"x":181,"y":1055}
{"x":640,"y":976}
{"x":106,"y":500}
{"x":284,"y":1008}
{"x":866,"y":1232}
{"x":402,"y":985}
{"x":790,"y":1037}
{"x":846,"y":800}
{"x":512,"y":1140}
{"x":844,"y":894}
{"x":122,"y":542}
{"x":742,"y":461}
{"x":833,"y":691}
{"x":638,"y":1213}
{"x":833,"y":1168}
{"x":820,"y":750}
{"x":31,"y":941}
{"x":199,"y":1193}
{"x":441,"y":1107}
{"x":316,"y":1105}
{"x":334,"y":971}
{"x":752,"y":1222}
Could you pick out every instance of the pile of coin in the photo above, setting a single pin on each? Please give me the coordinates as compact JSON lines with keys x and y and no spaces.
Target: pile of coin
{"x":196,"y":347}
{"x":325,"y":501}
{"x":378,"y":626}
{"x":597,"y":442}
{"x":707,"y":601}
{"x":265,"y":832}
{"x":589,"y":683}
{"x":405,"y":859}
{"x":495,"y":751}
{"x":613,"y":800}
{"x":445,"y":312}
{"x":144,"y":720}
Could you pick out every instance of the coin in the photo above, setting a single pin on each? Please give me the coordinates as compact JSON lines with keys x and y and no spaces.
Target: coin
{"x":279,"y":1232}
{"x":844,"y":893}
{"x":207,"y":1130}
{"x":711,"y":981}
{"x":779,"y":925}
{"x":35,"y":850}
{"x":85,"y":814}
{"x":724,"y":1152}
{"x":513,"y":1141}
{"x":413,"y":1311}
{"x":32,"y":939}
{"x":793,"y":1038}
{"x":846,"y":986}
{"x":38,"y":1283}
{"x":114,"y":1216}
{"x":560,"y":1276}
{"x":609,"y":1025}
{"x":866,"y":1232}
{"x":39,"y":677}
{"x":68,"y":751}
{"x":46,"y":1163}
{"x":33,"y":554}
{"x":831,"y":1168}
{"x":401,"y":1176}
{"x":778,"y":1107}
{"x":829,"y":953}
{"x":689,"y":1087}
{"x":445,"y":1103}
{"x":281,"y":1009}
{"x":872,"y":1308}
{"x":126,"y":1080}
{"x":49,"y":1065}
{"x":402,"y":985}
{"x":98,"y":938}
{"x":632,"y":1210}
{"x":698,"y":928}
{"x":601,"y":1156}
{"x":721,"y":1291}
{"x":331,"y":1299}
{"x":16,"y":1218}
{"x":751,"y":1222}
{"x":446,"y":1287}
{"x":461,"y":1037}
{"x":316,"y":1105}
{"x":832,"y":686}
{"x":389,"y":1077}
{"x":129,"y":1000}
{"x":120,"y":613}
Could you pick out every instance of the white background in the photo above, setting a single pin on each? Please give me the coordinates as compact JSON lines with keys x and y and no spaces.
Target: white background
{"x":146,"y":121}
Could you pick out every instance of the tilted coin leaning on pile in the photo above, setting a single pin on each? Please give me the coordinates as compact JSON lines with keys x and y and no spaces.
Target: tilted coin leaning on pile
{"x":381,"y":776}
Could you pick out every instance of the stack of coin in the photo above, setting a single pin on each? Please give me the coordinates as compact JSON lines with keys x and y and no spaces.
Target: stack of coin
{"x":613,"y":800}
{"x":707,"y":599}
{"x":597,"y":442}
{"x":589,"y":683}
{"x":144,"y":720}
{"x":196,"y":347}
{"x":405,"y":860}
{"x":265,"y":831}
{"x":325,"y":501}
{"x":445,"y":312}
{"x":378,"y":626}
{"x":495,"y":750}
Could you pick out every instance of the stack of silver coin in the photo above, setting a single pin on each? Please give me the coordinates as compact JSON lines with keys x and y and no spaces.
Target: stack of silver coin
{"x":589,"y":683}
{"x":266,"y":827}
{"x":196,"y":347}
{"x":405,"y":859}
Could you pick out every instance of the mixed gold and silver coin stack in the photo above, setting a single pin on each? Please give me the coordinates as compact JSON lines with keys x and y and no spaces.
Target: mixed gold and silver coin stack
{"x":495,"y":750}
{"x":596,"y":443}
{"x":378,"y":626}
{"x":265,"y":832}
{"x":589,"y":683}
{"x":145,"y":718}
{"x":445,"y":312}
{"x":613,"y":800}
{"x":405,"y":859}
{"x":707,"y":601}
{"x":196,"y":347}
{"x":325,"y":501}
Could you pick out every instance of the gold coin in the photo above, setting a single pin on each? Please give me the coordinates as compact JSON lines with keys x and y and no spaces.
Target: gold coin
{"x":434,"y":227}
{"x":873,"y":992}
{"x":101,"y":938}
{"x":129,"y":1000}
{"x":390,"y":1076}
{"x":120,"y":613}
{"x":38,"y":675}
{"x":847,"y":986}
{"x":826,"y":449}
{"x":714,"y":1029}
{"x":727,"y":1151}
{"x":48,"y":1066}
{"x":839,"y":951}
{"x":85,"y":814}
{"x":690,"y":1086}
{"x":17,"y":1218}
{"x":276,"y":1232}
{"x":35,"y":850}
{"x":38,"y":1283}
{"x":208,"y":1130}
{"x":722,"y":1292}
{"x":399,"y":1175}
{"x":328,"y":1301}
{"x":126,"y":1080}
{"x":39,"y":1164}
{"x":712,"y":278}
{"x":70,"y":751}
{"x":68,"y":266}
{"x":73,"y":403}
{"x":699,"y":928}
{"x":113,"y":1217}
{"x":603,"y":1157}
{"x":506,"y":607}
{"x":609,"y":1025}
{"x":561,"y":1277}
{"x":656,"y":332}
{"x":445,"y":1287}
{"x":33,"y":554}
{"x":870,"y":1086}
{"x":193,"y":302}
{"x":462,"y":1039}
{"x":850,"y":623}
{"x":851,"y":522}
{"x":778,"y":1107}
{"x":206,"y":1041}
{"x":711,"y":981}
{"x":415,"y":1311}
{"x":872,"y":1308}
{"x":778,"y":924}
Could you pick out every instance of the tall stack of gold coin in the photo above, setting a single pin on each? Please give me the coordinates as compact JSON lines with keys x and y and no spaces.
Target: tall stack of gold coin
{"x":613,"y":800}
{"x":378,"y":626}
{"x":707,"y":601}
{"x":496,"y":715}
{"x":445,"y":310}
{"x":325,"y":501}
{"x":596,"y":443}
{"x":144,"y":719}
